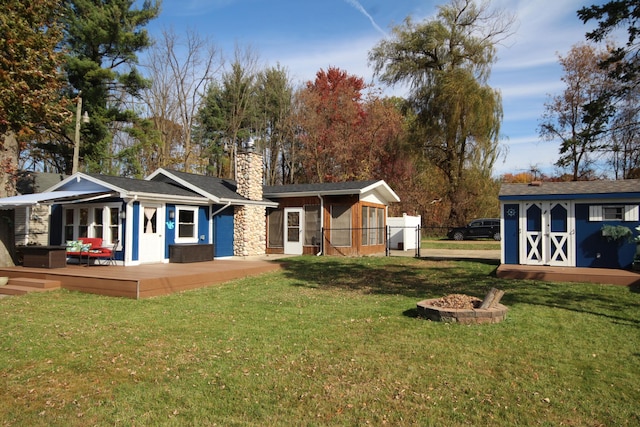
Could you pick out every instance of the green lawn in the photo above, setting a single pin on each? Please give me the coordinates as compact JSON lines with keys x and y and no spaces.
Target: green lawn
{"x":479,"y":244}
{"x":326,"y":341}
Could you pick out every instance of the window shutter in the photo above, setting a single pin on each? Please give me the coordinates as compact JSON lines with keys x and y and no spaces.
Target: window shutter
{"x":595,"y":213}
{"x":631,"y":213}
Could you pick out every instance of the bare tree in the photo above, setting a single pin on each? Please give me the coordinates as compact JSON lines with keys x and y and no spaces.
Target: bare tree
{"x":181,"y":70}
{"x":565,"y":120}
{"x":624,"y":137}
{"x":229,"y":110}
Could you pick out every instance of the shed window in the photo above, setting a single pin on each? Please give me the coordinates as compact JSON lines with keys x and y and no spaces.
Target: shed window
{"x":613,"y":213}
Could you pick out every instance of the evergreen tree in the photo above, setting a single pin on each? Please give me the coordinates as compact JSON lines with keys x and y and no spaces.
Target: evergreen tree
{"x":102,"y":40}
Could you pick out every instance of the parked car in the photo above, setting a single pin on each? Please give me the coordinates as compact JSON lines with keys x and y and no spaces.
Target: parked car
{"x":478,"y":228}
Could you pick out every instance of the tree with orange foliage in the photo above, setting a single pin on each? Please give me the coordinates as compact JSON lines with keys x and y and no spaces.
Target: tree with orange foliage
{"x":344,"y":134}
{"x":30,"y":78}
{"x":331,"y":117}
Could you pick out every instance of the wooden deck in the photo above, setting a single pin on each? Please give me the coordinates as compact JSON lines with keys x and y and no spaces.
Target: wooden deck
{"x":144,"y":281}
{"x":609,"y":276}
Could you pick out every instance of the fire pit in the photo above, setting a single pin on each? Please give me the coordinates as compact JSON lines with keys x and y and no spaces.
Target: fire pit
{"x":460,"y":308}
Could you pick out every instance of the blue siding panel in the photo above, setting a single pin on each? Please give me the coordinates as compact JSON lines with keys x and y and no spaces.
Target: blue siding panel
{"x":510,"y":234}
{"x":203,"y":225}
{"x":169,"y":229}
{"x":223,"y":233}
{"x":119,"y":256}
{"x":593,"y":250}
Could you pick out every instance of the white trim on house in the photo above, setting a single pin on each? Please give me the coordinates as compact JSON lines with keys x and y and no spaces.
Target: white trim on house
{"x":48,"y":197}
{"x":382,"y":187}
{"x":184,"y":183}
{"x":379,"y":186}
{"x":79,"y":176}
{"x":200,"y":201}
{"x":93,"y":184}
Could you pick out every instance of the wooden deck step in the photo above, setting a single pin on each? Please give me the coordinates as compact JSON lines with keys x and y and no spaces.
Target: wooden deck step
{"x":21,"y":290}
{"x":34,"y":283}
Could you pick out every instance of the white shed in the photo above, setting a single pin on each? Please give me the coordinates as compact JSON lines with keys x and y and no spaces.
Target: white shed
{"x":404,"y":232}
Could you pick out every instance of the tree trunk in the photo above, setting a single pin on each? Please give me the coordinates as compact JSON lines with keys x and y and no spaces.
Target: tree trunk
{"x":8,"y":164}
{"x":7,"y":239}
{"x":8,"y":173}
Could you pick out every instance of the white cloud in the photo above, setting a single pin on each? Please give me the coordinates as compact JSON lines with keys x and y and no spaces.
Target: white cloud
{"x":545,"y":28}
{"x":362,"y":10}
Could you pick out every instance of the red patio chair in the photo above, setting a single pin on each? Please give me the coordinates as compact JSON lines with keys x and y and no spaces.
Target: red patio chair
{"x":106,"y":255}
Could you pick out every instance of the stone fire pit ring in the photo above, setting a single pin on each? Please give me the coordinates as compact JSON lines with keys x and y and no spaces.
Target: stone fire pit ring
{"x":495,"y":314}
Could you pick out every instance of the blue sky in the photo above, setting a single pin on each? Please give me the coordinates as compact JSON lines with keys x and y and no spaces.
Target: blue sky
{"x":306,"y":35}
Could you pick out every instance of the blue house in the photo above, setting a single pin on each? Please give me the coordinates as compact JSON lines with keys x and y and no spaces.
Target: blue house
{"x":181,"y":217}
{"x":564,"y":223}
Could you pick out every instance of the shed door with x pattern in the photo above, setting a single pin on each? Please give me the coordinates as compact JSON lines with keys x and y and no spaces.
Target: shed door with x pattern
{"x":548,"y":236}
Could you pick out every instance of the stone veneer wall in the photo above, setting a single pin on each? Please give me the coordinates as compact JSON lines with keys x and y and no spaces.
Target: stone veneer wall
{"x":249,"y":235}
{"x":32,"y":225}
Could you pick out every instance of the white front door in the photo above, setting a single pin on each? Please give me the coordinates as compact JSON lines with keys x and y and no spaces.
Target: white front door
{"x":548,"y":236}
{"x":151,"y":239}
{"x":293,"y":231}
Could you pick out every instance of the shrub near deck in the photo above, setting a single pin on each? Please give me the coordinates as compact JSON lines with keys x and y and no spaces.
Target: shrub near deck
{"x":326,"y":341}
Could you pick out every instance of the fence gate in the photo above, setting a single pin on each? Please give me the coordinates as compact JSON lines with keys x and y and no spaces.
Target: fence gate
{"x":403,"y":240}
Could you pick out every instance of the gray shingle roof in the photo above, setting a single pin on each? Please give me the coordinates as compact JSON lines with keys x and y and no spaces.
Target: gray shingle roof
{"x":224,"y":188}
{"x":30,"y":182}
{"x":219,"y":187}
{"x":571,"y":188}
{"x":356,"y":186}
{"x":143,"y":186}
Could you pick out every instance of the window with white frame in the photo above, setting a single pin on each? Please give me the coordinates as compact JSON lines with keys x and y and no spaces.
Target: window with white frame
{"x":186,"y":224}
{"x":93,"y":221}
{"x":372,"y":225}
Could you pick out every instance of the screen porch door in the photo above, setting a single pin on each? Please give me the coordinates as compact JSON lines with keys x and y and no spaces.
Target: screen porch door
{"x":293,"y":232}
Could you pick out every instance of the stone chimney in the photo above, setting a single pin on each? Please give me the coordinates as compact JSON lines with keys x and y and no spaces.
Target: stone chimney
{"x":249,"y":235}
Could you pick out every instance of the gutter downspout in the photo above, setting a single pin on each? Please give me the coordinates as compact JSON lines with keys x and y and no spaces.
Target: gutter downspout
{"x":221,"y":209}
{"x":321,"y":224}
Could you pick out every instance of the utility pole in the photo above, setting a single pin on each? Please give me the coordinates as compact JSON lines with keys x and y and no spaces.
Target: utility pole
{"x":76,"y":140}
